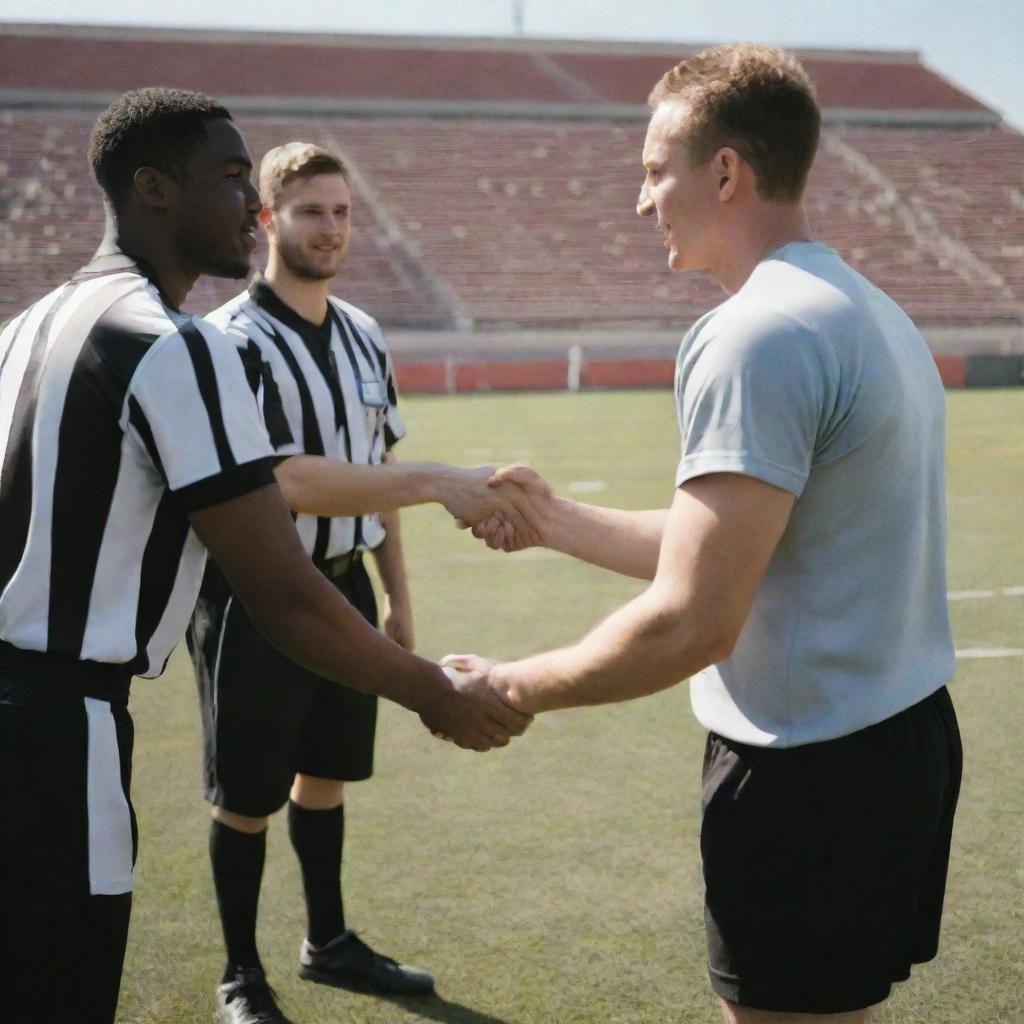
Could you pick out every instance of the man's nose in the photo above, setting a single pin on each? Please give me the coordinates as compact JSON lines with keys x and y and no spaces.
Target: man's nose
{"x":644,"y":203}
{"x":252,"y":198}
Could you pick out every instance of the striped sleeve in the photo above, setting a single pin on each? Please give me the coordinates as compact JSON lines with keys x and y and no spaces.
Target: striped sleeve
{"x":394,"y":425}
{"x":192,"y":410}
{"x":268,"y":398}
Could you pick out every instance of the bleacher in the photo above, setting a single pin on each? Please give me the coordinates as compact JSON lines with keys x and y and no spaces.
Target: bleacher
{"x":495,"y":183}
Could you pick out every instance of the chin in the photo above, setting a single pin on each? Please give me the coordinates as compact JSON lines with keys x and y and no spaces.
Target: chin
{"x":235,"y":270}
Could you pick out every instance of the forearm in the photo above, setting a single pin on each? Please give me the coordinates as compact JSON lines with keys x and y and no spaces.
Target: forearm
{"x":390,"y":560}
{"x":328,"y":487}
{"x":646,"y":646}
{"x":624,"y":542}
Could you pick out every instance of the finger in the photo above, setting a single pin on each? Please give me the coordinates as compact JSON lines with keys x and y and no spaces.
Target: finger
{"x":508,"y":719}
{"x":461,"y":524}
{"x":517,"y":473}
{"x":460,"y":662}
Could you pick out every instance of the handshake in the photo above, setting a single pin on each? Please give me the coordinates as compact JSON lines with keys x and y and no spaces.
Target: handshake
{"x":509,"y":509}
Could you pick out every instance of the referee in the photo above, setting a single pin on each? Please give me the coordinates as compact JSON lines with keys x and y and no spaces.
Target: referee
{"x":130,"y":440}
{"x":273,"y":731}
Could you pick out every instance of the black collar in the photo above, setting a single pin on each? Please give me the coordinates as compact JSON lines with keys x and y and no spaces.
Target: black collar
{"x":267,"y":299}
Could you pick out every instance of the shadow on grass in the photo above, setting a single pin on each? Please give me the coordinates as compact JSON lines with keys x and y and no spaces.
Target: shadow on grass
{"x":436,"y":1008}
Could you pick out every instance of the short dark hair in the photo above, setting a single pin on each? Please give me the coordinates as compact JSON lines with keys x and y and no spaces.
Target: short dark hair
{"x":755,"y":99}
{"x":153,"y":127}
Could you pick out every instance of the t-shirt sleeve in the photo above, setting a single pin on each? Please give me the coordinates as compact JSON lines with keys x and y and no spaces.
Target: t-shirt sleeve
{"x":192,"y":409}
{"x":260,"y":376}
{"x":749,"y":397}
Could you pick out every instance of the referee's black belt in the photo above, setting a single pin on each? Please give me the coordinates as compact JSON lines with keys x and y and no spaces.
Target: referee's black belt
{"x":333,"y":568}
{"x":40,"y":677}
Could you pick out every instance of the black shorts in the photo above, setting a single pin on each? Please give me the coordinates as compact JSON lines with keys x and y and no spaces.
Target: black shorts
{"x":825,"y":865}
{"x":67,"y":847}
{"x":266,"y":718}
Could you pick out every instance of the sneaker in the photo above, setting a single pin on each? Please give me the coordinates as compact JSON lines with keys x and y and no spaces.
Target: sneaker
{"x":348,"y":962}
{"x":246,"y":998}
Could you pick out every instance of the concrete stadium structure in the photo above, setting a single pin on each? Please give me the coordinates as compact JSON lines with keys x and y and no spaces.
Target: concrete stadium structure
{"x":495,"y":182}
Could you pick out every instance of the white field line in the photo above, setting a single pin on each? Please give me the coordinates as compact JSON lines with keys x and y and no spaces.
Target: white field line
{"x":990,"y":652}
{"x":971,"y":595}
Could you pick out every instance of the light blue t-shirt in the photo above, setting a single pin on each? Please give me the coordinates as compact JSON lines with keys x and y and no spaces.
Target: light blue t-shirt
{"x":813,"y":380}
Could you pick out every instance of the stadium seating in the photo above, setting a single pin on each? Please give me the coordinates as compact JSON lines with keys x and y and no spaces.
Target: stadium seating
{"x":484,"y":224}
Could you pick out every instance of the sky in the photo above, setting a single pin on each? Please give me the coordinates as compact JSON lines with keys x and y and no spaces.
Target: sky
{"x":977,"y":44}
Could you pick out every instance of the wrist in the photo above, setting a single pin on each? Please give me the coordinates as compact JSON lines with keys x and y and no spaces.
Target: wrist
{"x":439,"y":483}
{"x":428,"y":688}
{"x":508,"y":676}
{"x":426,"y":481}
{"x":555,"y":526}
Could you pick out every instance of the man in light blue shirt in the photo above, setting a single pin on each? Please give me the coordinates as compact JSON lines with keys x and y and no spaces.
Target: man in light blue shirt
{"x":798,"y":577}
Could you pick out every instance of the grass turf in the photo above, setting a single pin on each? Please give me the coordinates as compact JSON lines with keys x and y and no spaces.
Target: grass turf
{"x":559,"y":880}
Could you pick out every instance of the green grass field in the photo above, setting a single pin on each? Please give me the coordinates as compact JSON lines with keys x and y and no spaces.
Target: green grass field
{"x":558,"y":881}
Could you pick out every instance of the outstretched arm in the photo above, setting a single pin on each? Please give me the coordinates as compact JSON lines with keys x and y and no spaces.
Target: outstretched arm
{"x":254,"y":542}
{"x":329,"y":487}
{"x":720,"y":535}
{"x":622,"y":541}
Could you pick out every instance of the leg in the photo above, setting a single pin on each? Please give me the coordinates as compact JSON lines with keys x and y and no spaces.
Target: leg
{"x":733,"y":1013}
{"x":817,"y":862}
{"x":316,"y":825}
{"x":238,"y":847}
{"x":64,"y":778}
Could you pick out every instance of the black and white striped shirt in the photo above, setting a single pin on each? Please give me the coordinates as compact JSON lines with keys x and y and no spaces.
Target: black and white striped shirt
{"x":118,"y":417}
{"x":336,"y":386}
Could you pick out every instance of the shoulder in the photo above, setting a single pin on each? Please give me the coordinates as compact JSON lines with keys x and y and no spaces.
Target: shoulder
{"x":138,"y":309}
{"x":238,"y":319}
{"x":366,"y":323}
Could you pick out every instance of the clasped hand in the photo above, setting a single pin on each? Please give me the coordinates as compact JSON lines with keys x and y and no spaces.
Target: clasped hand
{"x":509,"y":508}
{"x":476,"y":712}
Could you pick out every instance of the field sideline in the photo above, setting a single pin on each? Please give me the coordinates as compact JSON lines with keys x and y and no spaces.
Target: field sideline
{"x":558,"y":881}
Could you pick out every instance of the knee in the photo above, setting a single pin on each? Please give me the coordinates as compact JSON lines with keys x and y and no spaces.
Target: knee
{"x":315,"y":794}
{"x":240,"y":822}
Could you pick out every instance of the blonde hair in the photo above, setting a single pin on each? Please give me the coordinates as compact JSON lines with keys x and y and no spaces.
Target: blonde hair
{"x":284,"y":164}
{"x":754,"y":99}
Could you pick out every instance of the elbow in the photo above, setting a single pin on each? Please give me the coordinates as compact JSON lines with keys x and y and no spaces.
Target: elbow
{"x":290,"y":484}
{"x":690,"y":640}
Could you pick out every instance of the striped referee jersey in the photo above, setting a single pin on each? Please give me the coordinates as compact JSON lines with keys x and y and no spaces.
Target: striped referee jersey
{"x":335,"y":386}
{"x":119,"y":416}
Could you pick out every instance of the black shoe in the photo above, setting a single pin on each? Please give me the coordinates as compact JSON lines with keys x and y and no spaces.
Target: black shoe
{"x":348,"y":962}
{"x":246,"y":998}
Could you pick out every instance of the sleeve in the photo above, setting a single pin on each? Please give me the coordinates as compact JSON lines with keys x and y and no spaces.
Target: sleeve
{"x":191,"y":407}
{"x":394,"y":425}
{"x":750,"y":398}
{"x":261,"y":380}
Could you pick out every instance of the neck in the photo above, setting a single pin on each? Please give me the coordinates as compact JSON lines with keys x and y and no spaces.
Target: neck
{"x":749,"y":238}
{"x":145,"y":242}
{"x":307,"y":298}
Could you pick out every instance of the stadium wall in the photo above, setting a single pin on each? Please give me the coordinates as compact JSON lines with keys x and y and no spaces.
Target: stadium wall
{"x":456,"y":375}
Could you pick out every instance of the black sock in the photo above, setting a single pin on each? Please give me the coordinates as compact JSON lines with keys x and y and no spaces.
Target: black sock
{"x":318,"y":837}
{"x":237,"y":860}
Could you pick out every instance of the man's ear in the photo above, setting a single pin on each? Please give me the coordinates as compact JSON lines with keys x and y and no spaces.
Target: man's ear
{"x":265,"y":216}
{"x":725,"y":165}
{"x":154,"y":188}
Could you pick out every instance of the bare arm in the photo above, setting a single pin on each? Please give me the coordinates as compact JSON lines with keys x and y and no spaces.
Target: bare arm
{"x":322,"y":486}
{"x":397,"y":619}
{"x":624,"y":542}
{"x":720,"y":535}
{"x":254,"y":541}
